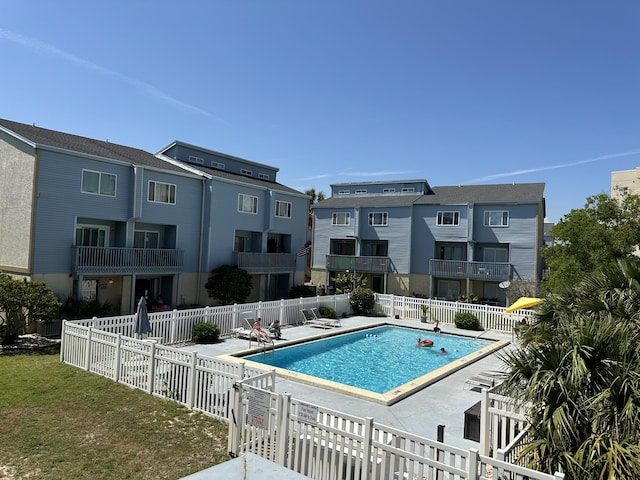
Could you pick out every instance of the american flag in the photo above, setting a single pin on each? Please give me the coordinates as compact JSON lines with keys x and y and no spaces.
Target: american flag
{"x":304,"y":250}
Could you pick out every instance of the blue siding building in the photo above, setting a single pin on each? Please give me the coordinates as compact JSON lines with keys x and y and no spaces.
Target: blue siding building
{"x":97,"y":220}
{"x":406,"y":237}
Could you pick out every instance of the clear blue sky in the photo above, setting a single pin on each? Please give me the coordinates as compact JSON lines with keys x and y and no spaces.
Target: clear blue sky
{"x":454,"y":91}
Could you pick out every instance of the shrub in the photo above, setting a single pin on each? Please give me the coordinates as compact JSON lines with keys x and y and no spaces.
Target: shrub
{"x":298,"y":291}
{"x":467,"y":321}
{"x":327,"y":312}
{"x":362,"y":300}
{"x":205,"y":333}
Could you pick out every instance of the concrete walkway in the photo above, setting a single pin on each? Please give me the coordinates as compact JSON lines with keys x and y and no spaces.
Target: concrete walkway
{"x":442,"y":403}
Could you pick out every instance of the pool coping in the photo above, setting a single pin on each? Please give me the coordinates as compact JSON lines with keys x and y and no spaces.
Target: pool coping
{"x":388,"y":398}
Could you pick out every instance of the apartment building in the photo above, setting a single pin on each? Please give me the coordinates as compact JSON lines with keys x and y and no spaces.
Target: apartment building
{"x":98,"y":220}
{"x":407,"y":237}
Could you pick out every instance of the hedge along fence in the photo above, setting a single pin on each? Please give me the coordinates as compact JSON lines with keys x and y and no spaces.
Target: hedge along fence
{"x":491,"y":317}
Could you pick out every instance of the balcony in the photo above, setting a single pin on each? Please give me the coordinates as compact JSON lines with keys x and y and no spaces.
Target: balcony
{"x":116,"y":260}
{"x":341,"y":263}
{"x":488,"y":271}
{"x":254,"y":262}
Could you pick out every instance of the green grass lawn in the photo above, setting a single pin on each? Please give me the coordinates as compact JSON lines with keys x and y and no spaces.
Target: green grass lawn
{"x":60,"y":422}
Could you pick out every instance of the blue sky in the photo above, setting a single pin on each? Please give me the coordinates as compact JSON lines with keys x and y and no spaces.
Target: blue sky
{"x":453,"y":91}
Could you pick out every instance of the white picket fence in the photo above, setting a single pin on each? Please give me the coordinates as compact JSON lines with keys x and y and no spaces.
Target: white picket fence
{"x":313,"y":440}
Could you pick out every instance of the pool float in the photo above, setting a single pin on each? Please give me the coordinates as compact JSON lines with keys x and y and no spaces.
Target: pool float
{"x":425,"y":343}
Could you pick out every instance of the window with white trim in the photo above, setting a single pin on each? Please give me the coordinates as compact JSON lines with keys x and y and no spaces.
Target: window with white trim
{"x":341,"y":218}
{"x":388,"y":190}
{"x":99,"y":183}
{"x":377,"y":219}
{"x":217,"y":165}
{"x":198,"y":160}
{"x":247,"y":203}
{"x":408,"y":190}
{"x":283,"y":209}
{"x":244,"y":171}
{"x":361,"y":191}
{"x":263,"y":176}
{"x":496,"y":218}
{"x":448,"y":218}
{"x":146,"y":239}
{"x":160,"y":192}
{"x":344,"y":192}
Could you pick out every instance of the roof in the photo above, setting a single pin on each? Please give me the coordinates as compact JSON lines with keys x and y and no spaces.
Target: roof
{"x":498,"y":193}
{"x":43,"y":137}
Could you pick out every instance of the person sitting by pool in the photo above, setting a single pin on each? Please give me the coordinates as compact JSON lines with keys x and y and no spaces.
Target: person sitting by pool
{"x":262,"y":335}
{"x":442,"y":351}
{"x":436,"y":328}
{"x":274,"y":329}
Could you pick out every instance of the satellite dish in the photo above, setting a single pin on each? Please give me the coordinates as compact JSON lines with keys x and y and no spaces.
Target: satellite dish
{"x":504,"y":284}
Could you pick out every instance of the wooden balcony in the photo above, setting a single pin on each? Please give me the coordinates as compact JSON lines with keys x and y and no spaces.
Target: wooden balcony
{"x":254,"y":262}
{"x":341,"y":263}
{"x":488,"y":271}
{"x":116,"y":260}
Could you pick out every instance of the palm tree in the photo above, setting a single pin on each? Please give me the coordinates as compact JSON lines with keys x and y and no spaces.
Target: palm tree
{"x":578,"y":369}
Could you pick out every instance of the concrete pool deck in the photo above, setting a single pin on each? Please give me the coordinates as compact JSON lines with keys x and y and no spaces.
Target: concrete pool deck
{"x":440,"y":403}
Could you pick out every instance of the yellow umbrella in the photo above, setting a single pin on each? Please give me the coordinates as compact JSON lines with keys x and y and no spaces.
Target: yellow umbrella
{"x":523,"y":302}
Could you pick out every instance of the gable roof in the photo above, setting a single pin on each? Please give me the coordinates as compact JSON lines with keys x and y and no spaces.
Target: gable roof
{"x":464,"y":194}
{"x":43,"y":137}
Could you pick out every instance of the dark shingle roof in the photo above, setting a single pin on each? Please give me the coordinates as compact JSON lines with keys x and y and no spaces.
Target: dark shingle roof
{"x":43,"y":137}
{"x":498,"y":193}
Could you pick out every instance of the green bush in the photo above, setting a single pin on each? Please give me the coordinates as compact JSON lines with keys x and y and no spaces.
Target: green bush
{"x":298,"y":291}
{"x":205,"y":333}
{"x":362,"y":300}
{"x":467,"y":321}
{"x":327,"y":312}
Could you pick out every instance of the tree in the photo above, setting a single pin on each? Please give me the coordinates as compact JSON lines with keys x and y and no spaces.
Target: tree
{"x":315,"y":196}
{"x":346,"y":282}
{"x":578,"y":375}
{"x":22,"y":303}
{"x":585,"y":239}
{"x":229,"y":284}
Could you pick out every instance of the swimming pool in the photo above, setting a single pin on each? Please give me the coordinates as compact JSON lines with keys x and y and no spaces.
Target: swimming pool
{"x":383,"y":364}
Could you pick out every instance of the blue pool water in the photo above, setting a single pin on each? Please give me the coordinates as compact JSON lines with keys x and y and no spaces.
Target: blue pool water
{"x":377,"y":360}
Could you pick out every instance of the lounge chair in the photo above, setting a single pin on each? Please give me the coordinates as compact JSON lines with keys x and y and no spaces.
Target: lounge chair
{"x":312,"y":317}
{"x":486,"y":380}
{"x":246,"y":330}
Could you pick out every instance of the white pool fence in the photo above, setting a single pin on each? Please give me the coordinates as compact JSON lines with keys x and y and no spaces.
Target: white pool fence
{"x":310,"y":439}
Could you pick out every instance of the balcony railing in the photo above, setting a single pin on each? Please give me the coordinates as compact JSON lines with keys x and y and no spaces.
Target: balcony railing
{"x":489,"y":271}
{"x":265,"y":262}
{"x":116,"y":260}
{"x":357,"y":264}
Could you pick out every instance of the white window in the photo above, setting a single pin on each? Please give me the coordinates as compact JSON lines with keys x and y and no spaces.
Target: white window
{"x":341,"y":218}
{"x":142,"y":239}
{"x":378,"y":219}
{"x":344,"y":192}
{"x":247,"y":203}
{"x":408,"y":190}
{"x":198,"y":160}
{"x":91,"y":236}
{"x":283,"y":209}
{"x":448,"y":218}
{"x":361,"y":191}
{"x":388,"y":190}
{"x":162,"y":192}
{"x":217,"y":165}
{"x":263,"y":176}
{"x":499,"y":218}
{"x":244,"y":171}
{"x":99,"y":183}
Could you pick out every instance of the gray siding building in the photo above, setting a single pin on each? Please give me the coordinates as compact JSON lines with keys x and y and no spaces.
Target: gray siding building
{"x":406,"y":237}
{"x":97,"y":220}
